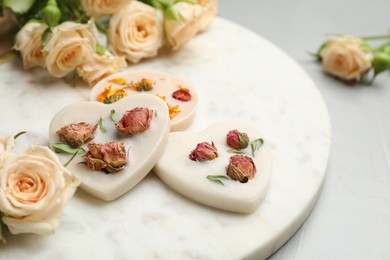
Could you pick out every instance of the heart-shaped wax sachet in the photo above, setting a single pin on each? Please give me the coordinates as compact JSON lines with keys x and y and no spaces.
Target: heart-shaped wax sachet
{"x":118,"y":143}
{"x":227,"y":166}
{"x":181,"y":99}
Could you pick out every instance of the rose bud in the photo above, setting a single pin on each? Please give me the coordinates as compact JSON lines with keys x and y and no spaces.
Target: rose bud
{"x":183,"y":94}
{"x":241,"y":168}
{"x":135,"y":121}
{"x":237,"y":140}
{"x":77,"y":134}
{"x":109,"y":157}
{"x":204,"y":152}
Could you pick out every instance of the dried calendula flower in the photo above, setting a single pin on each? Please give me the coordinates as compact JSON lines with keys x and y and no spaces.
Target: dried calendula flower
{"x":135,"y":121}
{"x":142,"y":85}
{"x":237,"y":140}
{"x":182,"y":94}
{"x":241,"y":168}
{"x":77,"y":134}
{"x":109,"y":96}
{"x":204,"y":152}
{"x":173,"y":110}
{"x":110,"y":157}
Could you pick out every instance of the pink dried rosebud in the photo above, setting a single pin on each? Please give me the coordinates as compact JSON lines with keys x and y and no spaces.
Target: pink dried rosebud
{"x":109,"y":157}
{"x":77,"y":134}
{"x":241,"y":168}
{"x":135,"y":121}
{"x":237,"y":140}
{"x":204,"y":152}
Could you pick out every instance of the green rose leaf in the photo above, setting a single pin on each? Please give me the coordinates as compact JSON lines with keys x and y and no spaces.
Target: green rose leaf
{"x":65,"y":148}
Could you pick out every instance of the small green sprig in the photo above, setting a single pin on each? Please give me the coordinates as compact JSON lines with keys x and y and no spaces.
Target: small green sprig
{"x":217,"y":178}
{"x":101,"y":126}
{"x":66,"y":148}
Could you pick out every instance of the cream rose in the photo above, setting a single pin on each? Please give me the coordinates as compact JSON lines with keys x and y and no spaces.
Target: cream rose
{"x":29,"y":43}
{"x":136,"y":32}
{"x":70,"y":45}
{"x":34,"y":188}
{"x":193,"y":18}
{"x":100,"y":67}
{"x":210,"y":9}
{"x":345,"y":58}
{"x":97,"y":8}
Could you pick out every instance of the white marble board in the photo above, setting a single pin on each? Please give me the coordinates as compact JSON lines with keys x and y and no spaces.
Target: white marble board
{"x":239,"y":76}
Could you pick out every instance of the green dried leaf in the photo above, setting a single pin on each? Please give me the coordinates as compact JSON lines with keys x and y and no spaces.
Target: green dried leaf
{"x":101,"y":126}
{"x":112,"y":113}
{"x":66,"y":148}
{"x":217,"y":178}
{"x":256,"y":144}
{"x":19,"y":134}
{"x":236,"y":151}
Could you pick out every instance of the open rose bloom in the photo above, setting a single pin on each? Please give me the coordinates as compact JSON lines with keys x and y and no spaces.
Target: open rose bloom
{"x":69,"y":46}
{"x":34,"y":189}
{"x":346,"y":57}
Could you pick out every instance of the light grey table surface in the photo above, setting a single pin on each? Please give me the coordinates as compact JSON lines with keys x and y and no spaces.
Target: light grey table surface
{"x":351,"y":219}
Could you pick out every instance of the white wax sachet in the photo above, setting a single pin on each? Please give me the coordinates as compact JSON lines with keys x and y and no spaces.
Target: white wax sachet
{"x":143,"y":149}
{"x":190,"y":178}
{"x":163,"y":85}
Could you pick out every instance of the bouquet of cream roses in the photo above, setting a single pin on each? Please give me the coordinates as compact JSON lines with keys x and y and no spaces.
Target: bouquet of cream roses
{"x":34,"y":189}
{"x":62,"y":35}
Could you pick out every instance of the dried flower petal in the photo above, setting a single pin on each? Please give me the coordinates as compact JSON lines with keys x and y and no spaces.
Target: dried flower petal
{"x":204,"y":152}
{"x":135,"y":121}
{"x":173,"y":110}
{"x":109,"y":157}
{"x":182,"y":94}
{"x":241,"y":168}
{"x":77,"y":134}
{"x":237,"y":140}
{"x":142,"y":85}
{"x":109,"y":96}
{"x":120,"y":81}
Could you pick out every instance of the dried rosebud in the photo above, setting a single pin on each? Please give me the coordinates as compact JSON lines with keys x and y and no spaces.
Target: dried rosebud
{"x":204,"y":152}
{"x":77,"y":134}
{"x":237,"y":140}
{"x":241,"y":168}
{"x":109,"y":157}
{"x":182,"y":94}
{"x":135,"y":121}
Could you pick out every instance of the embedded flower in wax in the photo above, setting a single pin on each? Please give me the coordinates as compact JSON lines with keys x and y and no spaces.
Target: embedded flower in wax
{"x":182,"y":94}
{"x":241,"y":168}
{"x":77,"y":134}
{"x":110,"y":157}
{"x":135,"y":121}
{"x":237,"y":140}
{"x":204,"y":152}
{"x":109,"y":96}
